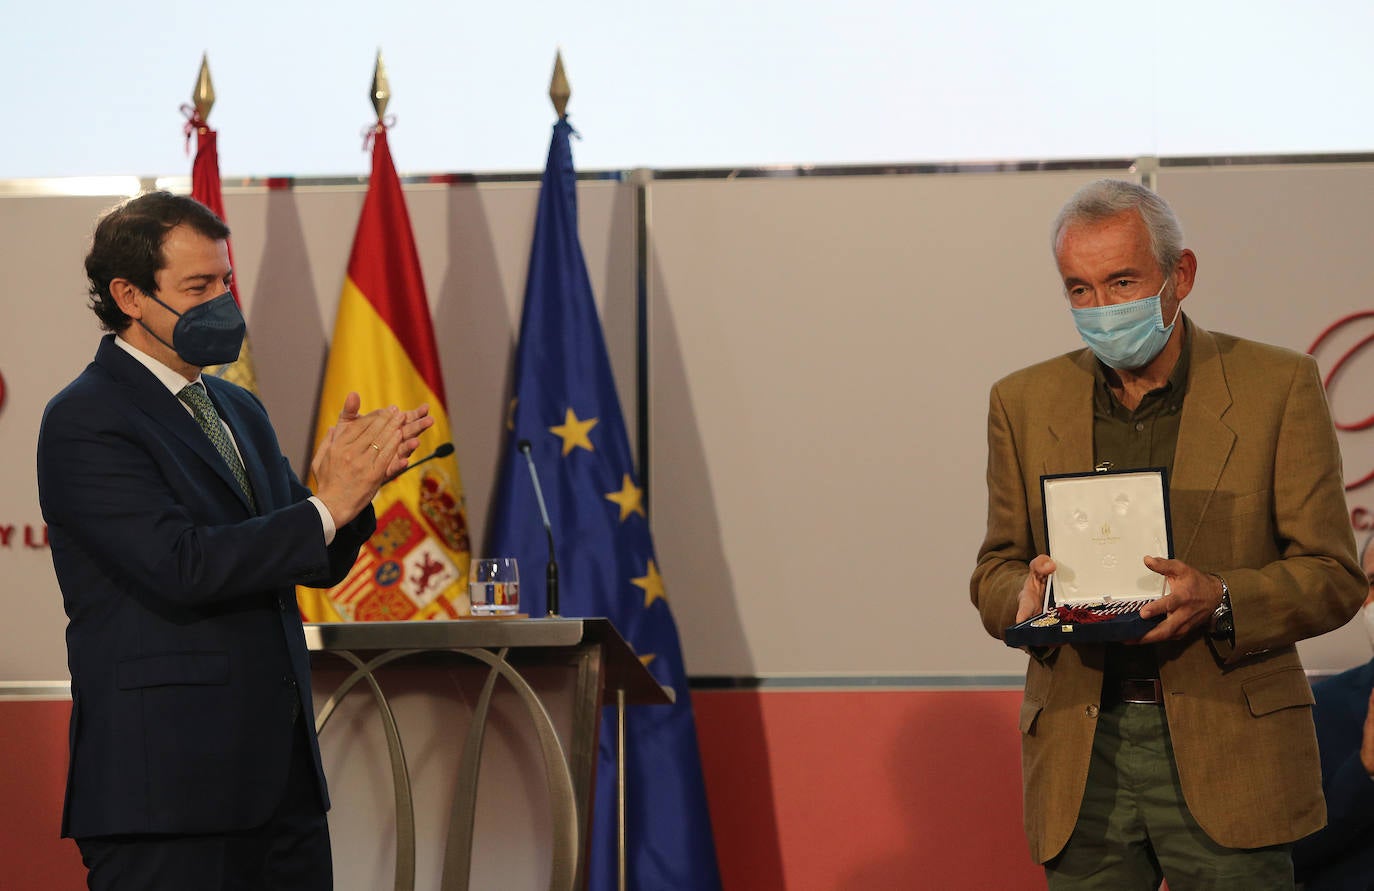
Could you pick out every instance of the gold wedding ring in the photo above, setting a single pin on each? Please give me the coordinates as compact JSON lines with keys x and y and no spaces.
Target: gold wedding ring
{"x":375,"y":446}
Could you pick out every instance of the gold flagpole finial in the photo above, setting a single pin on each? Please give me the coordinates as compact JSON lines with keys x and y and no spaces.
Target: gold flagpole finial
{"x":203,"y":96}
{"x":381,"y":89}
{"x":559,"y":91}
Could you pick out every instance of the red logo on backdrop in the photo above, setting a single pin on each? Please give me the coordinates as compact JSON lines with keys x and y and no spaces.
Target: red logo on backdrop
{"x":34,"y":535}
{"x":1352,"y":345}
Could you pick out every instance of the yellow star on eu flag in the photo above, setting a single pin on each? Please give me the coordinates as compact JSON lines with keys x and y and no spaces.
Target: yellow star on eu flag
{"x":574,"y":432}
{"x":630,"y":498}
{"x":647,"y":658}
{"x":652,"y":583}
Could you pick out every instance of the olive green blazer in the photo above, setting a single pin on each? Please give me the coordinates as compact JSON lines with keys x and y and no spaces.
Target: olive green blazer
{"x":1256,"y":497}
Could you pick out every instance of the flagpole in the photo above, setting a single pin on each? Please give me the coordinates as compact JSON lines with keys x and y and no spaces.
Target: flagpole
{"x":620,"y":784}
{"x":565,"y":405}
{"x":381,"y":89}
{"x":207,"y":189}
{"x":560,"y":91}
{"x":203,"y":96}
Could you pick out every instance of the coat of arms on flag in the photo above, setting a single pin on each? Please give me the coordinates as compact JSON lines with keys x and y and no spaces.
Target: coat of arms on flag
{"x":405,"y":570}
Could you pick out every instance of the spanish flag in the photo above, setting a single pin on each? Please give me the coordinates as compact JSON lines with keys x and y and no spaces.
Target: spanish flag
{"x":415,"y":565}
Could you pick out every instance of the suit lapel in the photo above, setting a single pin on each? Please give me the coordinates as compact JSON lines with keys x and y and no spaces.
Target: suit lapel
{"x":1205,"y":442}
{"x":153,"y":399}
{"x":1068,"y":399}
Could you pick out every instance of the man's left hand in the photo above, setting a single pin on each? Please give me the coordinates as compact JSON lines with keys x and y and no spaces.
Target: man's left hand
{"x":413,"y":423}
{"x":1192,"y":599}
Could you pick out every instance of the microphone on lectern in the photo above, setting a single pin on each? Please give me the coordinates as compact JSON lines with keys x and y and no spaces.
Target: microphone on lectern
{"x":551,"y":576}
{"x":442,"y":451}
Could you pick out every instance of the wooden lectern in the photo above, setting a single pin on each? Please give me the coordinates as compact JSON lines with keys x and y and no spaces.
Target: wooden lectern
{"x":604,"y":671}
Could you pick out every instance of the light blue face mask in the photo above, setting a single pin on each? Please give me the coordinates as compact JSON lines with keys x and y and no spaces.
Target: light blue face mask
{"x":1126,"y":335}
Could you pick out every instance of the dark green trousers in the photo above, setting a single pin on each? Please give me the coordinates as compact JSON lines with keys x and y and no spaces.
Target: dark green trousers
{"x":1134,"y":829}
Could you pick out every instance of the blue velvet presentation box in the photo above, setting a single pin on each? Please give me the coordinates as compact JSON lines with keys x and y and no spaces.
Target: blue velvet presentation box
{"x":1100,"y":526}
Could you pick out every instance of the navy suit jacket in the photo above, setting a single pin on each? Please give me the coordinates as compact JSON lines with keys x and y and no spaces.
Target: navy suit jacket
{"x":188,"y":661}
{"x":1340,"y":857}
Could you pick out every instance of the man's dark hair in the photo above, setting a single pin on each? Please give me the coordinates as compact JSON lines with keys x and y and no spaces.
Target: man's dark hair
{"x":128,"y":244}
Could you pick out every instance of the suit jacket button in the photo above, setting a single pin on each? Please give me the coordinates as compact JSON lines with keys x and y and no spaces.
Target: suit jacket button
{"x":1091,"y":711}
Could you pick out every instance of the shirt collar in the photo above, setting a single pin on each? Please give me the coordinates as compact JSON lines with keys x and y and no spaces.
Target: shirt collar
{"x":1178,"y":377}
{"x":172,"y":380}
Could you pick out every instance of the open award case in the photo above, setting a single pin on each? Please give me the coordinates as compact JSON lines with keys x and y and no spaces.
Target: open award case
{"x":1099,"y":526}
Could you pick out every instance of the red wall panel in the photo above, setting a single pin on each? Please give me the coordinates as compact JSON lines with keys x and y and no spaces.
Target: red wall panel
{"x":857,"y":790}
{"x":839,"y":790}
{"x":33,"y":775}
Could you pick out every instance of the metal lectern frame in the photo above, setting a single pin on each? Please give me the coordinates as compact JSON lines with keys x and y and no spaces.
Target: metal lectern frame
{"x":608,"y":672}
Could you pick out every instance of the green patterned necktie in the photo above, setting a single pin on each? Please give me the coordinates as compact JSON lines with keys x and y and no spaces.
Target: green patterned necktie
{"x":195,"y":396}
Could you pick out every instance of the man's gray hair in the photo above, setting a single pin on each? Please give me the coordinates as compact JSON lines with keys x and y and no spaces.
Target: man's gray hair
{"x":1106,"y":198}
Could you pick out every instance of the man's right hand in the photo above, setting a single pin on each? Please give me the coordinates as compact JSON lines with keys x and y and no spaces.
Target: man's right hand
{"x":355,"y":458}
{"x":1031,"y":601}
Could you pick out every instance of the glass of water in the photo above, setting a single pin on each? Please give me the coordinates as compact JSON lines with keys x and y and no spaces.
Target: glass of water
{"x":494,"y":586}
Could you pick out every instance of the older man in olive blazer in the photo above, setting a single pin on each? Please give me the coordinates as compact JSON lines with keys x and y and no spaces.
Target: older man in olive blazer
{"x":1258,"y":515}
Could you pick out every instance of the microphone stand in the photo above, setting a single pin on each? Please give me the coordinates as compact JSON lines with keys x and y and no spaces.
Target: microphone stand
{"x":551,"y":572}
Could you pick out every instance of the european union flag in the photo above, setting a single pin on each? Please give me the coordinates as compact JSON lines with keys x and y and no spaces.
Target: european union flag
{"x":566,"y":407}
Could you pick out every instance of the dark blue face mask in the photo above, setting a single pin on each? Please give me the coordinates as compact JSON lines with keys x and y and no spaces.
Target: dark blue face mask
{"x":208,"y":334}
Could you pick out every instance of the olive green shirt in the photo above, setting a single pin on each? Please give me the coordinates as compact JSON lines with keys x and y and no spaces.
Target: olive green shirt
{"x":1147,"y":436}
{"x":1131,"y":440}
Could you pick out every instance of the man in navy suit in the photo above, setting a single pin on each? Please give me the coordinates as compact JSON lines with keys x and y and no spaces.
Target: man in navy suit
{"x":178,"y":534}
{"x":1340,"y":856}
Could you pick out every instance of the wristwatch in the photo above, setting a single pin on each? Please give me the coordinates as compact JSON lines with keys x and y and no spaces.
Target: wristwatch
{"x":1223,"y":624}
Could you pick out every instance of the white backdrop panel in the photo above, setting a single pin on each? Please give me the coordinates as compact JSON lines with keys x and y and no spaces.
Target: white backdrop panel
{"x":820,"y":350}
{"x":821,"y":353}
{"x":1283,"y":254}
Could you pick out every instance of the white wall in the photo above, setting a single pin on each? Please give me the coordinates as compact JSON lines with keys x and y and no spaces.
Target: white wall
{"x":821,"y":353}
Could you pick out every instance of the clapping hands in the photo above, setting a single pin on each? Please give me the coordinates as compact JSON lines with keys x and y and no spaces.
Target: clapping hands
{"x":361,"y":452}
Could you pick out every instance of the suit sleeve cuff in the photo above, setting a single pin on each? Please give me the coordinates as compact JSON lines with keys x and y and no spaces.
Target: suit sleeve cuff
{"x":326,"y":520}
